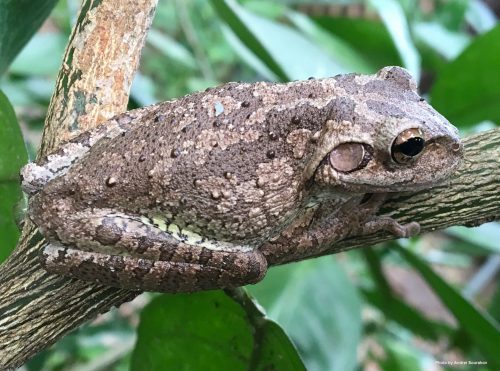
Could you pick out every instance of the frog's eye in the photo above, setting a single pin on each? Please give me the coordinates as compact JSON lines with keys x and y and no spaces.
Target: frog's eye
{"x":407,"y":145}
{"x":348,"y":157}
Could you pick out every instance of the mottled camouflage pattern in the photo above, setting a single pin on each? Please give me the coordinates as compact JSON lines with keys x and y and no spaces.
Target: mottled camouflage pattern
{"x":187,"y":194}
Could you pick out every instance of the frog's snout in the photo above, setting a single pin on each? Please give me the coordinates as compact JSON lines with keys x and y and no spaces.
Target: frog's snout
{"x":453,"y":146}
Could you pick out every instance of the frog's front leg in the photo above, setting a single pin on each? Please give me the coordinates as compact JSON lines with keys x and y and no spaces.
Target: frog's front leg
{"x":317,"y":229}
{"x":129,"y":253}
{"x":361,"y":219}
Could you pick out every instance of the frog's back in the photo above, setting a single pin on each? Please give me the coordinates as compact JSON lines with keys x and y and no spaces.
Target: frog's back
{"x":234,"y":161}
{"x":223,"y":158}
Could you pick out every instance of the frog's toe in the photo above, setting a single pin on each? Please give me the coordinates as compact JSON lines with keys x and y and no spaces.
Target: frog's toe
{"x":391,"y":225}
{"x":411,"y":229}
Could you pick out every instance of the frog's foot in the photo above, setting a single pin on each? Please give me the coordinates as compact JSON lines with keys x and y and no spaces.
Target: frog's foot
{"x":388,"y":224}
{"x":377,"y":223}
{"x":346,"y":222}
{"x":143,"y":257}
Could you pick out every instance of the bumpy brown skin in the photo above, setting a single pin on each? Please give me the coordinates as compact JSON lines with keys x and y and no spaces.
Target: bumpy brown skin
{"x":243,"y":165}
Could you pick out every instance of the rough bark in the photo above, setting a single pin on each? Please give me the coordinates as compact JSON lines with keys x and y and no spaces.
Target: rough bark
{"x":37,"y":308}
{"x":102,"y":56}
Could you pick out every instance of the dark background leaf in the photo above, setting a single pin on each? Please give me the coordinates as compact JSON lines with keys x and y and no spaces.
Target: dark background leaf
{"x":468,"y":89}
{"x":370,"y":38}
{"x":318,"y":307}
{"x":19,"y":19}
{"x":480,"y":327}
{"x":198,"y":331}
{"x":12,"y":156}
{"x":210,"y":331}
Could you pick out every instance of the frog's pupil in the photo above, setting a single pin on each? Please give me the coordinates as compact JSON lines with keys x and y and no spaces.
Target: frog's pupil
{"x":412,"y":146}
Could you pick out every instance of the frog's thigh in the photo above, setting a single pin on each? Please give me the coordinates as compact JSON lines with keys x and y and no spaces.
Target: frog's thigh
{"x":145,"y":257}
{"x":35,"y":175}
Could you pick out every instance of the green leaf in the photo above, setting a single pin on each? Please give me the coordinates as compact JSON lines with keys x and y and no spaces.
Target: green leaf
{"x":142,"y":90}
{"x":485,"y":235}
{"x":398,"y":356}
{"x":247,"y":55}
{"x":19,"y":19}
{"x":283,"y":50}
{"x":276,"y":351}
{"x":394,"y":19}
{"x":231,"y":13}
{"x":451,"y":14}
{"x":269,"y":9}
{"x":341,"y":52}
{"x":171,"y":48}
{"x":394,"y":308}
{"x":319,"y":307}
{"x":210,"y":331}
{"x":467,"y":90}
{"x":481,"y":328}
{"x":205,"y":330}
{"x":12,"y":156}
{"x":377,"y":273}
{"x":480,"y":16}
{"x":369,"y":38}
{"x":46,"y":49}
{"x":447,"y":43}
{"x":406,"y":316}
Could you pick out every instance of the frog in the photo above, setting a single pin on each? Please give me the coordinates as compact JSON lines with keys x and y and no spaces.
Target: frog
{"x":207,"y":191}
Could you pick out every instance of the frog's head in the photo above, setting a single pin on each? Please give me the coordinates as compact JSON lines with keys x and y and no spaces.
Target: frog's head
{"x":394,"y":141}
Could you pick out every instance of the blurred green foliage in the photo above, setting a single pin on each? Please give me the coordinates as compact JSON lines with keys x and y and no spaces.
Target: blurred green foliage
{"x":12,"y":157}
{"x":345,"y":312}
{"x":19,"y":20}
{"x":211,"y":331}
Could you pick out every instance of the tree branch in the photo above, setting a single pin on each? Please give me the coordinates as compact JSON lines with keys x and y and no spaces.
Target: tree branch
{"x":36,"y":308}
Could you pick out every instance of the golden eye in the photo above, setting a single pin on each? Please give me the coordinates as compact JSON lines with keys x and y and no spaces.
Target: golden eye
{"x":407,"y":145}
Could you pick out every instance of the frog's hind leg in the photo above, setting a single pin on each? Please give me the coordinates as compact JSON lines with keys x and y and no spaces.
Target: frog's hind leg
{"x":136,"y":255}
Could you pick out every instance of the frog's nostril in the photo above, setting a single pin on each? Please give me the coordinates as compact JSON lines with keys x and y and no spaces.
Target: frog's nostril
{"x":455,"y":147}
